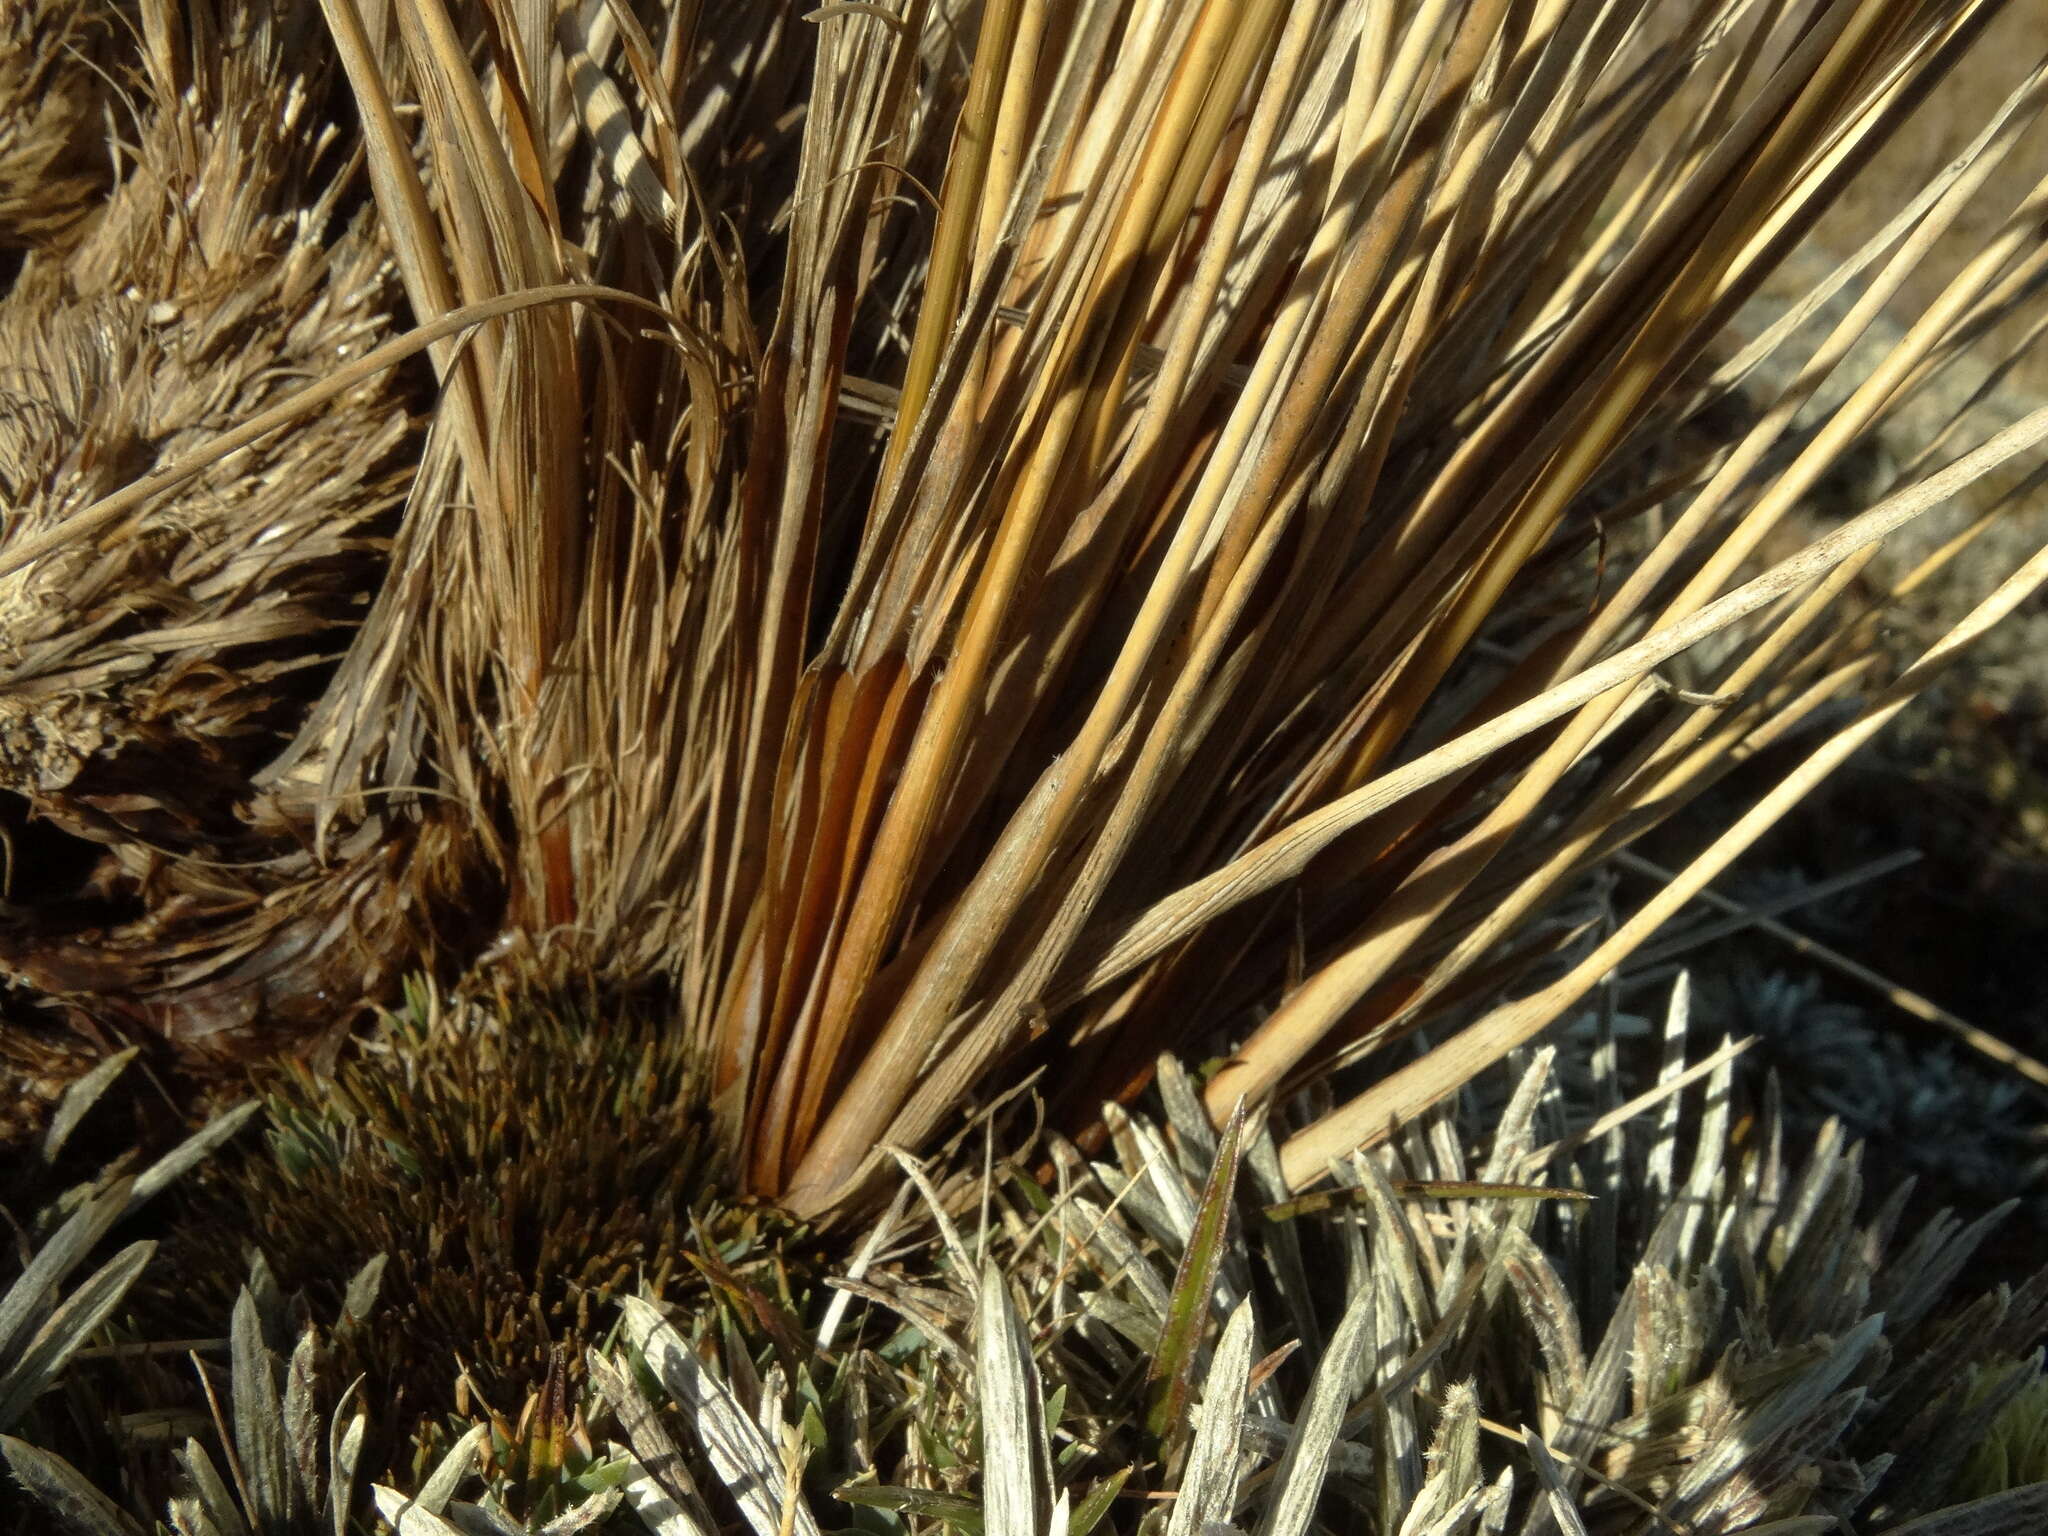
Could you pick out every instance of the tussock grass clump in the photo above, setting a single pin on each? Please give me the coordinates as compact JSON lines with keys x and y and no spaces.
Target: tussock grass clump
{"x":945,"y":536}
{"x":940,"y":542}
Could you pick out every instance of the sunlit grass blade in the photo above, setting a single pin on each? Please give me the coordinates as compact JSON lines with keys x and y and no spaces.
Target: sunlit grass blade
{"x":1181,"y":1343}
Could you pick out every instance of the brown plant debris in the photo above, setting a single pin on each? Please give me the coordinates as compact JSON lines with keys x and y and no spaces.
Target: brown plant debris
{"x":153,"y":672}
{"x":57,"y":116}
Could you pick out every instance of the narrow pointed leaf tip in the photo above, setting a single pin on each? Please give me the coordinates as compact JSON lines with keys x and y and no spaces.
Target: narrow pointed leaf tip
{"x":1187,"y":1318}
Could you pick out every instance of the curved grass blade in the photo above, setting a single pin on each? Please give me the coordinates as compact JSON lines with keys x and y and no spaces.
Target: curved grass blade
{"x":1417,"y":1189}
{"x":80,"y":1097}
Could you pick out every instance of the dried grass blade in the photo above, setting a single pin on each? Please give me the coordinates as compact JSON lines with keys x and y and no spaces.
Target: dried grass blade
{"x":1288,"y":851}
{"x":109,"y":510}
{"x":1405,"y":1093}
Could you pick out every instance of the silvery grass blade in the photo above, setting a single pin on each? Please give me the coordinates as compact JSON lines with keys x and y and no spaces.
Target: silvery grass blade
{"x":1155,"y":1194}
{"x":64,"y":1492}
{"x":1016,"y":1459}
{"x":1547,"y":1307}
{"x":66,"y":1329}
{"x":1453,"y":1492}
{"x":451,"y":1470}
{"x":587,"y":1515}
{"x":1298,"y":1481}
{"x":1584,"y":1417}
{"x":1708,"y":1480}
{"x":1281,"y":1248}
{"x":1557,"y":1498}
{"x":1187,"y":1314}
{"x":275,"y":1443}
{"x":485,"y":1519}
{"x":188,"y":1153}
{"x":1514,"y":1135}
{"x":1934,"y":1262}
{"x":408,"y":1518}
{"x":661,"y":1489}
{"x":29,"y":1299}
{"x":1397,"y":1256}
{"x":302,"y":1426}
{"x":1208,"y":1487}
{"x":655,"y":1508}
{"x":490,"y":1518}
{"x":877,"y":1237}
{"x":1186,"y":1115}
{"x":920,"y":1180}
{"x":2000,"y":1514}
{"x":751,"y":1468}
{"x":212,"y":1507}
{"x":1117,"y":1253}
{"x":1663,"y":1154}
{"x":932,"y":1325}
{"x":80,"y":1097}
{"x":424,"y":1514}
{"x":361,"y":1295}
{"x":262,"y":1451}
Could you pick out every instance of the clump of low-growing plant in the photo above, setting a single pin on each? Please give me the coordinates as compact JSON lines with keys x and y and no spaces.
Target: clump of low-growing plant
{"x":1621,"y":1319}
{"x":517,"y":1163}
